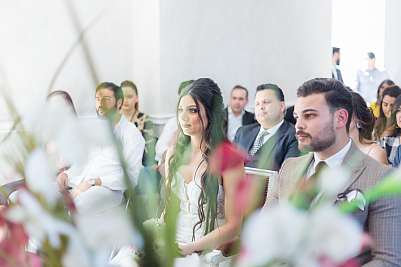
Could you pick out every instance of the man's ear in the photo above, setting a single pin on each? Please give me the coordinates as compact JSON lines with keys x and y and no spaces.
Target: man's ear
{"x":341,"y":118}
{"x":282,"y":107}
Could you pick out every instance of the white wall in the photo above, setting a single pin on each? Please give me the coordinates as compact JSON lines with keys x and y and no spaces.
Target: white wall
{"x":36,"y":35}
{"x":160,"y":43}
{"x":246,"y":42}
{"x":358,"y":27}
{"x":393,"y":39}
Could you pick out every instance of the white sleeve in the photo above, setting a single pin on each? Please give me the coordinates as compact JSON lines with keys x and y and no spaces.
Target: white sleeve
{"x":133,"y":145}
{"x":164,"y":140}
{"x":133,"y":149}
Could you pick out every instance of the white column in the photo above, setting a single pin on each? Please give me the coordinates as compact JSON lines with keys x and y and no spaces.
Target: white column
{"x":393,"y":40}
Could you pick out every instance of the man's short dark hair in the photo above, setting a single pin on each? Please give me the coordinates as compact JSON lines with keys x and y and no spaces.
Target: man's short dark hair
{"x":371,"y":55}
{"x":274,"y":87}
{"x":240,"y":87}
{"x":335,"y":94}
{"x":336,"y":50}
{"x":118,"y":92}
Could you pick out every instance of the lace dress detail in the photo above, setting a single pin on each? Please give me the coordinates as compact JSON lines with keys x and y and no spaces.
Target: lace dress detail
{"x":189,"y":193}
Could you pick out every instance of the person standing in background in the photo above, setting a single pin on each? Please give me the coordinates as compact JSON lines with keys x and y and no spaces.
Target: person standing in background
{"x":368,"y":80}
{"x":335,"y":59}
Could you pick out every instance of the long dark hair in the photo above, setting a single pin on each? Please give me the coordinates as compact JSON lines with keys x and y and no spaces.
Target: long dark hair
{"x":364,"y":118}
{"x":206,"y":92}
{"x":396,"y":109}
{"x":66,"y":96}
{"x":381,"y":122}
{"x":378,"y":97}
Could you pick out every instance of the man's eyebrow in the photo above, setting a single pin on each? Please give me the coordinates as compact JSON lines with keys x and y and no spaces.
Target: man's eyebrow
{"x":309,"y":110}
{"x":306,"y":110}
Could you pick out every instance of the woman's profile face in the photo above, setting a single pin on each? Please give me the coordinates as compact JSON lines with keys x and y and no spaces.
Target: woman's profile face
{"x":130,"y":99}
{"x":398,"y":118}
{"x":190,"y":117}
{"x":387,"y":105}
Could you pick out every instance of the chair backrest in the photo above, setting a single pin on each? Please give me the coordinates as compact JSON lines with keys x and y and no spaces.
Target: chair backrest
{"x":269,"y":176}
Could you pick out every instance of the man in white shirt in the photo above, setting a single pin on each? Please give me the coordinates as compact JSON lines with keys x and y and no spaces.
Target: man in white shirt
{"x":99,"y":186}
{"x":368,"y":80}
{"x":272,"y":139}
{"x":323,"y":112}
{"x":235,"y":114}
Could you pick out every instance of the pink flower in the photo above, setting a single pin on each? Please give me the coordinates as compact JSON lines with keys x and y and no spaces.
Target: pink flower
{"x":326,"y":262}
{"x":243,"y":195}
{"x":13,"y":240}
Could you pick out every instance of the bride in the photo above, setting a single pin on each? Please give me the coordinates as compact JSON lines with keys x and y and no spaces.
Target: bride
{"x":207,"y":218}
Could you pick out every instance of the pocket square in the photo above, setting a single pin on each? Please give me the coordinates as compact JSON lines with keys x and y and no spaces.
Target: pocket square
{"x":354,"y":195}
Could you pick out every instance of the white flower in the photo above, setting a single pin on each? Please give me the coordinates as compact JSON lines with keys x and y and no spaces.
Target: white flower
{"x":110,"y":229}
{"x":45,"y":120}
{"x":192,"y":260}
{"x":38,"y":222}
{"x":40,"y":176}
{"x":333,"y":181}
{"x":76,"y":254}
{"x":332,"y":234}
{"x":271,"y":234}
{"x":125,"y":258}
{"x":299,"y":238}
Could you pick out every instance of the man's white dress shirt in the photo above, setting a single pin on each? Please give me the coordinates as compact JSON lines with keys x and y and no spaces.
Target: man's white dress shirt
{"x":103,"y":162}
{"x":233,"y":123}
{"x":332,"y":162}
{"x":272,"y":131}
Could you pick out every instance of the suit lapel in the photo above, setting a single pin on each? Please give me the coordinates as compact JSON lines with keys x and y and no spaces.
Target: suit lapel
{"x":354,"y":161}
{"x":292,"y":177}
{"x":268,"y":147}
{"x":253,"y":133}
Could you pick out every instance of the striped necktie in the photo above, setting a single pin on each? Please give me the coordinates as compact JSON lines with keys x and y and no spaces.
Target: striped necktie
{"x":258,"y":142}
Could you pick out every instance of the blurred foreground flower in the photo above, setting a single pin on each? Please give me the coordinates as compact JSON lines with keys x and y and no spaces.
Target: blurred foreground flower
{"x":286,"y":235}
{"x":226,"y":156}
{"x":13,"y":240}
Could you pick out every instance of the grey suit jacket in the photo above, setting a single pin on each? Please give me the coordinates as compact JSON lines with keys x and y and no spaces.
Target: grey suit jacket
{"x":381,"y":219}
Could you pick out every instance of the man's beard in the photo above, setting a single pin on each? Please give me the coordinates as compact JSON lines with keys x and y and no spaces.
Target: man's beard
{"x":338,"y":62}
{"x":319,"y":144}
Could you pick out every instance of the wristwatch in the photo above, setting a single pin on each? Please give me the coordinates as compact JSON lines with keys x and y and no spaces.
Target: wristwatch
{"x":92,"y":182}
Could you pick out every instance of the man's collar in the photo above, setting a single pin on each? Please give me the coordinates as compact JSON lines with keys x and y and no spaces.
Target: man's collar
{"x":336,"y":159}
{"x":230,"y":111}
{"x":273,"y":129}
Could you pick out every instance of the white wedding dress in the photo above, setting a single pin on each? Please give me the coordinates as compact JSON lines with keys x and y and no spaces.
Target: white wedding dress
{"x":188,"y":194}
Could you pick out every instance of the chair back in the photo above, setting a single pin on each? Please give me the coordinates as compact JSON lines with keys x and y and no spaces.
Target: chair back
{"x":268,"y":176}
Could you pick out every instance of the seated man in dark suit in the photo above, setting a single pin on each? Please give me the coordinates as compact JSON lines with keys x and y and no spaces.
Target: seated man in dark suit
{"x":235,"y":114}
{"x":272,"y":139}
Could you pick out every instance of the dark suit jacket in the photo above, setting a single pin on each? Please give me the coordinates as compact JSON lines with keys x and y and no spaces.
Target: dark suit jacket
{"x":381,"y":219}
{"x":248,"y":118}
{"x":339,"y":76}
{"x":272,"y":154}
